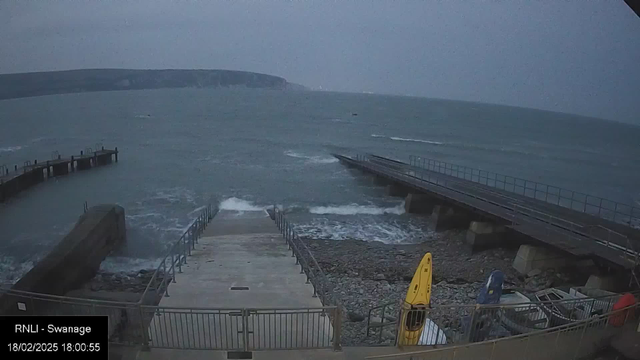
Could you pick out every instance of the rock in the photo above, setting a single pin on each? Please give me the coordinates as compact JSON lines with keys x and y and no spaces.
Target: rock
{"x":471,"y":295}
{"x":355,"y":317}
{"x":534,"y":272}
{"x":386,"y":287}
{"x":379,"y":277}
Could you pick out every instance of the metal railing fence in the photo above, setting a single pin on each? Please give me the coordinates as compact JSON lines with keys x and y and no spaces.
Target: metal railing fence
{"x":241,"y":329}
{"x":573,"y":340}
{"x":165,"y":273}
{"x":194,"y":328}
{"x":589,"y":204}
{"x":465,"y":323}
{"x":322,"y":287}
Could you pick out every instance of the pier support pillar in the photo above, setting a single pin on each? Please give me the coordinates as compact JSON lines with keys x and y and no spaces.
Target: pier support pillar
{"x":603,"y":282}
{"x":397,"y":190}
{"x":533,"y":257}
{"x":483,"y":235}
{"x":379,"y":180}
{"x":104,"y":159}
{"x":445,"y":218}
{"x":83,"y":164}
{"x":418,"y":204}
{"x":60,"y":169}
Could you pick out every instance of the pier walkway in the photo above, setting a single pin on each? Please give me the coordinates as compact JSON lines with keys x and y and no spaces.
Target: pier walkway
{"x":17,"y":179}
{"x":517,"y":206}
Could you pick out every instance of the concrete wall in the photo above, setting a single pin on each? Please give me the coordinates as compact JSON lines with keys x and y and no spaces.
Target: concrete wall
{"x":76,"y":259}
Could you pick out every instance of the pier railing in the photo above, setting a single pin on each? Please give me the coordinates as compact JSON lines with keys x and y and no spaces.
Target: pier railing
{"x":578,"y":201}
{"x":309,"y":266}
{"x":165,"y":273}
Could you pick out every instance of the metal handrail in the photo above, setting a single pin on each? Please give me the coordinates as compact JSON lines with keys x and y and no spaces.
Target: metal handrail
{"x":314,"y":273}
{"x":621,"y":213}
{"x":177,"y":254}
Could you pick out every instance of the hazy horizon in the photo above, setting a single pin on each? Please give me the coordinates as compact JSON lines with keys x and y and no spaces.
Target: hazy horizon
{"x":571,"y":57}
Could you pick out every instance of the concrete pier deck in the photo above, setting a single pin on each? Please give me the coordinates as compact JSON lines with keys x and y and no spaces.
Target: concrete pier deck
{"x":243,"y":269}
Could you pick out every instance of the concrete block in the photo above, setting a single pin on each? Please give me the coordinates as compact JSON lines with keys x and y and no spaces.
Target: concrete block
{"x":379,"y":180}
{"x":602,"y":282}
{"x":77,"y":258}
{"x":397,"y":190}
{"x":418,"y":204}
{"x":480,"y":227}
{"x":445,"y":218}
{"x":532,"y":257}
{"x":482,"y":235}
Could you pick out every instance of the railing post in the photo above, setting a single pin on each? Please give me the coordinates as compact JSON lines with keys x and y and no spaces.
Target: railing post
{"x":143,"y":330}
{"x":337,"y":329}
{"x":584,"y":329}
{"x":245,"y":329}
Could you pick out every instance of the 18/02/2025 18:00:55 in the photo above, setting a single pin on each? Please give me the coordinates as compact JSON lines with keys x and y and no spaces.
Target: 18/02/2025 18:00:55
{"x":68,"y":347}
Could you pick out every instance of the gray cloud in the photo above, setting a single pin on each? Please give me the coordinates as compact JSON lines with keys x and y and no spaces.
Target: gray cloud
{"x":575,"y":56}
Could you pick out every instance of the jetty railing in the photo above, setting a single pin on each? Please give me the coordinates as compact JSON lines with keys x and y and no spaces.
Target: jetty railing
{"x":575,"y":200}
{"x":165,"y":273}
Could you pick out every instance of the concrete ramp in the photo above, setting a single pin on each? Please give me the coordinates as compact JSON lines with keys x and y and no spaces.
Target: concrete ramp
{"x":240,"y":276}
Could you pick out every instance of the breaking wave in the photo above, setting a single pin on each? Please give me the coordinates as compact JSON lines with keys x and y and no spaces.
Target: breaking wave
{"x":355,"y":209}
{"x":10,"y":149}
{"x":388,"y":232}
{"x":311,"y":159}
{"x":235,"y":204}
{"x":395,"y":138}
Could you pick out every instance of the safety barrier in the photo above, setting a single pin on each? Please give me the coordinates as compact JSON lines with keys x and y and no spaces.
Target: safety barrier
{"x":165,"y":273}
{"x":309,"y":266}
{"x":570,"y":341}
{"x":593,"y":205}
{"x":244,"y":329}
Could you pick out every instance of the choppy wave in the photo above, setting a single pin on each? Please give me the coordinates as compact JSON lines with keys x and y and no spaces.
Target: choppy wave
{"x":10,"y":149}
{"x":235,"y":204}
{"x":395,"y":138}
{"x":126,"y":264}
{"x":355,"y":209}
{"x":12,"y":270}
{"x":417,"y":140}
{"x":366,"y":230}
{"x":312,"y":159}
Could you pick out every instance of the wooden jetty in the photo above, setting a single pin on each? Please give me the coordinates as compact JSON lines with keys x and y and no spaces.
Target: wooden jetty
{"x":13,"y":181}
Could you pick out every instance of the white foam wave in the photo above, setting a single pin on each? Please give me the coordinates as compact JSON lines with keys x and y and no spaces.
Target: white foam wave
{"x":116,"y":264}
{"x":10,"y":148}
{"x":416,"y":140}
{"x":395,"y":138}
{"x":38,"y":139}
{"x":355,"y":209}
{"x":386,"y":232}
{"x":235,"y":204}
{"x":311,"y":159}
{"x":11,"y":270}
{"x":174,"y":195}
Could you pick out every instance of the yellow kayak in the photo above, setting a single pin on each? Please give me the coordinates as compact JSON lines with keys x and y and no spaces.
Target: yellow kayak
{"x":416,"y":303}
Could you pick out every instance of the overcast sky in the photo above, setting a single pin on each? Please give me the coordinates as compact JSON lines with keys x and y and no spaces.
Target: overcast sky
{"x":578,"y":56}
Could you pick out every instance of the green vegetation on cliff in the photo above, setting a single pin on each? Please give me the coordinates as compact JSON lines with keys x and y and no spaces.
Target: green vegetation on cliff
{"x":73,"y":81}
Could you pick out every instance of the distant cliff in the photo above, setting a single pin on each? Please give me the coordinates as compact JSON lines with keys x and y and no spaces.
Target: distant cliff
{"x":73,"y":81}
